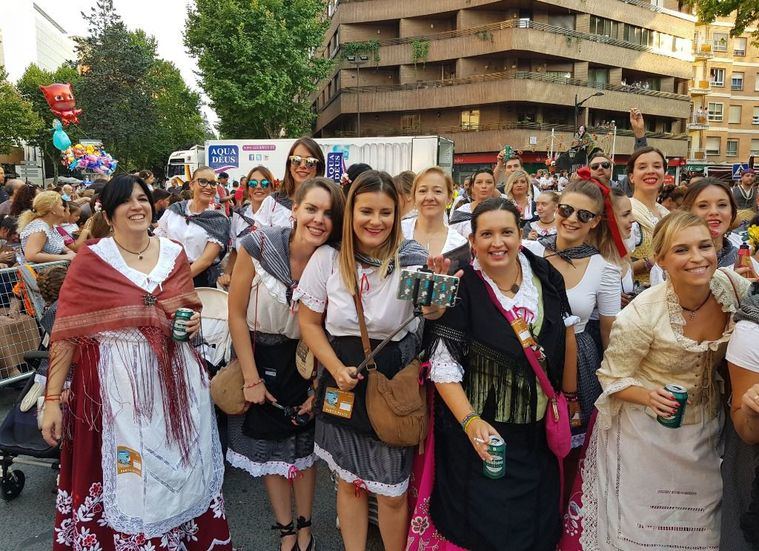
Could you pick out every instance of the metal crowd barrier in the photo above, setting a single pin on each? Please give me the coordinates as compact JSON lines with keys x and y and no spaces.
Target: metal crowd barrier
{"x":21,"y":309}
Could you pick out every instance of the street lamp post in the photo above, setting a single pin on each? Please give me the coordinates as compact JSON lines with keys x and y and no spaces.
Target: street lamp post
{"x":358,"y":61}
{"x":578,"y":104}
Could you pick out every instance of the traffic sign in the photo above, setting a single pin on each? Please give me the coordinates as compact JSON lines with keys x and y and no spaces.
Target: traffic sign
{"x":738,"y":169}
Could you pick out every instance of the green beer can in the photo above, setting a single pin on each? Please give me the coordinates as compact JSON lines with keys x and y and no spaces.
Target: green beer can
{"x":676,"y":419}
{"x":179,"y":325}
{"x":497,"y":467}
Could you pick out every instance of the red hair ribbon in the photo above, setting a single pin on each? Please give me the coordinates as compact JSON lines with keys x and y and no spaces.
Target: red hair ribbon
{"x":611,"y":219}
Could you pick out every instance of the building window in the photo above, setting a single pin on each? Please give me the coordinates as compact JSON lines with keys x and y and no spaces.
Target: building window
{"x":712,"y":145}
{"x":754,"y":147}
{"x":598,"y":76}
{"x":470,"y":120}
{"x":755,"y":116}
{"x":717,"y":76}
{"x":734,"y":114}
{"x":736,"y":81}
{"x":732,"y":148}
{"x":410,"y":122}
{"x":720,"y":42}
{"x":739,"y":46}
{"x":756,"y":83}
{"x":716,"y":111}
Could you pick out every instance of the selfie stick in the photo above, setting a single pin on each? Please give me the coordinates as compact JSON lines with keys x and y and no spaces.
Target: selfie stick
{"x":362,"y":366}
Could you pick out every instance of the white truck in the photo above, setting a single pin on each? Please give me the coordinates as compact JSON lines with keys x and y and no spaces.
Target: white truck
{"x":391,"y":154}
{"x":184,"y":163}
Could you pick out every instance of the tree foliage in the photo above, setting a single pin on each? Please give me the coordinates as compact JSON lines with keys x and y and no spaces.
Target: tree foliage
{"x":257,"y":63}
{"x":746,"y":13}
{"x":18,"y":121}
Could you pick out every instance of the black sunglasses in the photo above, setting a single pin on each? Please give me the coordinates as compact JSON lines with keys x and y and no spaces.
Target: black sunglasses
{"x":606,"y":165}
{"x":254,"y":183}
{"x":584,"y":216}
{"x":203,"y":182}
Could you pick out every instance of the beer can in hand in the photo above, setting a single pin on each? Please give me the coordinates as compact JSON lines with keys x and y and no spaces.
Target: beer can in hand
{"x":497,"y":467}
{"x":179,"y":325}
{"x":676,"y":419}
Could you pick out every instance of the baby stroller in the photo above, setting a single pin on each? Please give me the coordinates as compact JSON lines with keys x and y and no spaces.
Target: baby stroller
{"x":21,"y":441}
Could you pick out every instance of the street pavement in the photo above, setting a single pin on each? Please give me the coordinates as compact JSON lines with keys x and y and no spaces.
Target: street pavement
{"x":26,"y":522}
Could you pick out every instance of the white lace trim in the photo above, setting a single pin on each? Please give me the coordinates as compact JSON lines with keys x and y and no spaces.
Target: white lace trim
{"x":275,"y":287}
{"x":281,"y":468}
{"x":443,"y":368}
{"x":390,"y":490}
{"x":608,"y":406}
{"x":313,"y":303}
{"x":589,"y":511}
{"x":108,"y":251}
{"x":527,"y":297}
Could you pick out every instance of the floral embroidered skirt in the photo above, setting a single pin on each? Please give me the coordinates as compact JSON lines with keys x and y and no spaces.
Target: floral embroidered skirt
{"x":80,"y":523}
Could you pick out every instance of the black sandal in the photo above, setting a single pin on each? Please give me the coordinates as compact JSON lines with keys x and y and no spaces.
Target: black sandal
{"x":286,"y":530}
{"x":303,"y":523}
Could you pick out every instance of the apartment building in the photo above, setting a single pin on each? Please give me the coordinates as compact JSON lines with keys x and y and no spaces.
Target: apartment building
{"x":490,"y":73}
{"x":724,"y":125}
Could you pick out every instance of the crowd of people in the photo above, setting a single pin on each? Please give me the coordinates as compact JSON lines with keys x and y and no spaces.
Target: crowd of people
{"x":573,"y":289}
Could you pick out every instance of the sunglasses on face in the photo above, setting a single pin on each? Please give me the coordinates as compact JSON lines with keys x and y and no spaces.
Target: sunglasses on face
{"x":584,"y":216}
{"x":202,"y":182}
{"x":310,"y":162}
{"x":606,"y":165}
{"x":254,"y":183}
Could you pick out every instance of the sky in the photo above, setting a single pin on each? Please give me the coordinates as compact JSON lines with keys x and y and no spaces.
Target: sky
{"x":163,"y":19}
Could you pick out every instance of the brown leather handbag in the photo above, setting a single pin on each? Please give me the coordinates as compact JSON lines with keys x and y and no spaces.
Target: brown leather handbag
{"x":397,"y":407}
{"x":226,"y":389}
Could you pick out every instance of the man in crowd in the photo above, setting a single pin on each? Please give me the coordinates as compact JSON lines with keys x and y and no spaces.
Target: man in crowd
{"x":504,"y":168}
{"x":223,"y":199}
{"x":160,"y":202}
{"x":745,"y":191}
{"x":10,"y":190}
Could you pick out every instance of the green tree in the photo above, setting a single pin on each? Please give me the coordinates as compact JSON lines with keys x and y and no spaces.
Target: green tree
{"x":179,"y":122}
{"x":28,"y":85}
{"x":257,"y":63}
{"x":18,"y":121}
{"x":746,"y":13}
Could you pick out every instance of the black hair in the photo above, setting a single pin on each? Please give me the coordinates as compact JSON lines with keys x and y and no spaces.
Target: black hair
{"x":118,"y":191}
{"x":160,"y":195}
{"x":223,"y":175}
{"x":495,"y":203}
{"x":476,"y":173}
{"x":642,"y":151}
{"x":9,"y":223}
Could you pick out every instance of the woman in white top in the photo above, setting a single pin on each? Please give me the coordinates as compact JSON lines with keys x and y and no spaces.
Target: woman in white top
{"x":592,"y":282}
{"x":431,"y":191}
{"x":40,"y":241}
{"x":545,"y":210}
{"x":519,"y":191}
{"x":304,"y":160}
{"x":265,"y":442}
{"x":258,"y":186}
{"x":202,"y":230}
{"x":483,"y":186}
{"x":625,"y":221}
{"x":367,"y":268}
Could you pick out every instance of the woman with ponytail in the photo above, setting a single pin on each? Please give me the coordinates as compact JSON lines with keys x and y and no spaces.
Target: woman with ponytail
{"x":40,"y":242}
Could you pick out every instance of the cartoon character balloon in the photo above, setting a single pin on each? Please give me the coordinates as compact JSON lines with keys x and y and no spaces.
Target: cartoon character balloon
{"x":61,"y":100}
{"x":61,"y":141}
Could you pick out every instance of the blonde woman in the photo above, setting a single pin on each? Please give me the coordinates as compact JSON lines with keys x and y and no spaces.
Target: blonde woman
{"x":519,"y":191}
{"x":430,"y":192}
{"x":645,"y":485}
{"x":40,"y":242}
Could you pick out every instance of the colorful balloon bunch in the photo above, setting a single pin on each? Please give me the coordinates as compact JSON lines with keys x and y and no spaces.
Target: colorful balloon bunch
{"x":90,"y":158}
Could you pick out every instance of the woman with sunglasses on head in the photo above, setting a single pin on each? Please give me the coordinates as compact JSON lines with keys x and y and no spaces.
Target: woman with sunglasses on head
{"x":430,"y":192}
{"x":304,"y":160}
{"x":650,"y":482}
{"x":202,"y":230}
{"x":262,"y":320}
{"x":258,"y":186}
{"x":483,"y":187}
{"x":584,"y":252}
{"x":519,"y":191}
{"x":645,"y":171}
{"x":487,"y":387}
{"x":365,"y":273}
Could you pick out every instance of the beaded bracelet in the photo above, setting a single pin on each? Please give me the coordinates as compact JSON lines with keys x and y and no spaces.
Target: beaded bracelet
{"x":572,"y":398}
{"x":468,"y":420}
{"x":253,"y":385}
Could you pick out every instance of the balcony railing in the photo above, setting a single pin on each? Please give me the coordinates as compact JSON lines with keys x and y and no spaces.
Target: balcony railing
{"x":514,"y":75}
{"x":483,"y":30}
{"x":512,"y":125}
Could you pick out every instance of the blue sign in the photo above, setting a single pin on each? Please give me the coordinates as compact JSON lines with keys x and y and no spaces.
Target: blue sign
{"x":738,"y":169}
{"x":223,"y":157}
{"x":335,"y":166}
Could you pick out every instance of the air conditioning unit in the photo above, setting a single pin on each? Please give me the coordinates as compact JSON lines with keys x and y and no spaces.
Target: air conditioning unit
{"x":755,"y":120}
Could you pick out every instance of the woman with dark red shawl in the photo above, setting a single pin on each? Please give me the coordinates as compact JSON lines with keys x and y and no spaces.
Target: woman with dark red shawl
{"x":141,"y":463}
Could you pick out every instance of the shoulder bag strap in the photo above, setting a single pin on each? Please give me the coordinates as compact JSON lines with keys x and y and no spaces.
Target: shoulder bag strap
{"x":523,"y":338}
{"x":732,"y":283}
{"x":364,"y":331}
